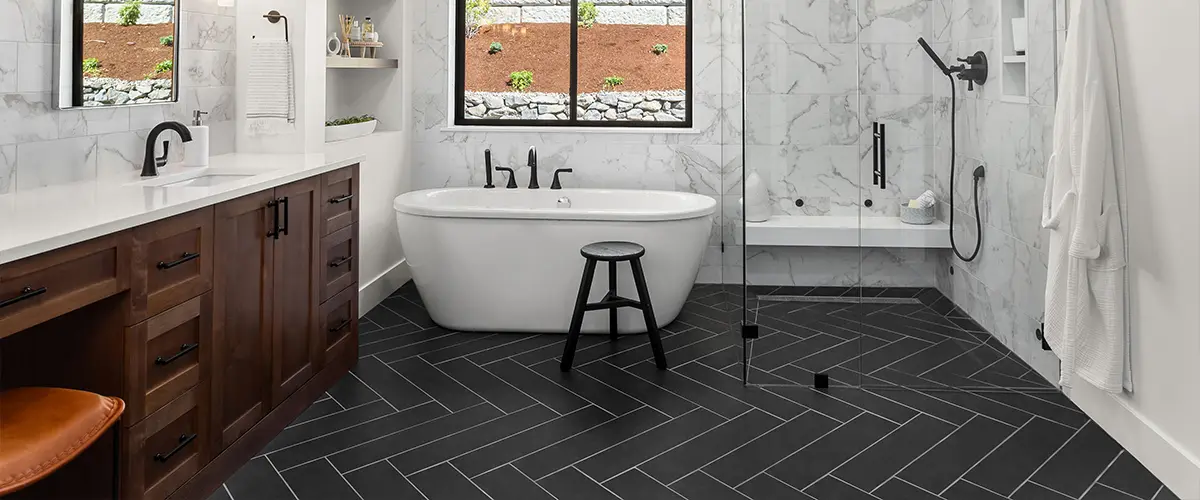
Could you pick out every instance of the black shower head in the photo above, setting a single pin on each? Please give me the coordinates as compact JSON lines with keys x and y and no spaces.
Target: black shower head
{"x":936,"y":60}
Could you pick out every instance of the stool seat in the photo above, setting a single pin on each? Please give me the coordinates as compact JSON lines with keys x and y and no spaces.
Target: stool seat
{"x":613,"y":251}
{"x":42,"y":428}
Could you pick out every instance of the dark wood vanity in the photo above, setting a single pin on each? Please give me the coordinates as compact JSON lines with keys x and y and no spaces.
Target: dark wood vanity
{"x":217,"y":327}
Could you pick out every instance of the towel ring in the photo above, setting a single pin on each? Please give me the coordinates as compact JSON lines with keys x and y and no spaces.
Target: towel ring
{"x":274,"y":16}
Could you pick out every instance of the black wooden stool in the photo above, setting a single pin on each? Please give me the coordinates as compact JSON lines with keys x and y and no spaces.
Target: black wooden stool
{"x":613,"y":252}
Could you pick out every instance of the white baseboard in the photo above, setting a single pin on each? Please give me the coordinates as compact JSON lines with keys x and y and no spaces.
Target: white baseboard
{"x":1165,"y":457}
{"x":373,"y":291}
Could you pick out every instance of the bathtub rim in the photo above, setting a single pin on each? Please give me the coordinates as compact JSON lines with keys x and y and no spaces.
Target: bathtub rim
{"x":404,"y":204}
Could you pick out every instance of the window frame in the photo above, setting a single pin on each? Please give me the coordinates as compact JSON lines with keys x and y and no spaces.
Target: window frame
{"x":574,"y":121}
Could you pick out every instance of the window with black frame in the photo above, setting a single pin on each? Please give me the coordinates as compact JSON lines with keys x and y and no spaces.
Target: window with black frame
{"x":624,"y":63}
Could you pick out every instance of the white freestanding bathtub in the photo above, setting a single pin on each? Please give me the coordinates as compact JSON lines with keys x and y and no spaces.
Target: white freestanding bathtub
{"x":507,"y":260}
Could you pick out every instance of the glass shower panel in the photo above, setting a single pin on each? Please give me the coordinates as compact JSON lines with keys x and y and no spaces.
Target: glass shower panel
{"x":802,"y":154}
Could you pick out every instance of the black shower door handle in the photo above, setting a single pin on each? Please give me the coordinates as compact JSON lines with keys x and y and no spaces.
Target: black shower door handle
{"x":879,"y":155}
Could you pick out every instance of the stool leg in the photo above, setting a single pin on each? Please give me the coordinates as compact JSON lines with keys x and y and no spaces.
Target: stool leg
{"x":612,"y":291}
{"x":639,"y":278}
{"x":585,"y":286}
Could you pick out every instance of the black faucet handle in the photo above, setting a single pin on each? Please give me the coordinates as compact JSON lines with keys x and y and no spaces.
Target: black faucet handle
{"x":556,"y":184}
{"x":512,"y":177}
{"x":162,"y":160}
{"x":487,"y":164}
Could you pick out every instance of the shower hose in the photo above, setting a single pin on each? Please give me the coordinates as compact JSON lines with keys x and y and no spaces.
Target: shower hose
{"x":978,"y":174}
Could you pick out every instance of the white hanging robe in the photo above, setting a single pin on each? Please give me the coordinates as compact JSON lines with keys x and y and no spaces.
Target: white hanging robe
{"x":1085,"y":289}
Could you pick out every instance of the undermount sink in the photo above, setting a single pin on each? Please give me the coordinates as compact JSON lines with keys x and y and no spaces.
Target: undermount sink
{"x":199,"y":178}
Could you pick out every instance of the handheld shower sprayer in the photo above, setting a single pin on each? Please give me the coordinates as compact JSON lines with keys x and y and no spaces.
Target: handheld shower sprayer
{"x":933,"y":55}
{"x":976,"y":73}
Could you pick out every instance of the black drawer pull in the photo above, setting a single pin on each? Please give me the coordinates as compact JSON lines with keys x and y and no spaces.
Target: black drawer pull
{"x":183,"y":350}
{"x":184,"y":440}
{"x":185,"y":257}
{"x":26,"y":293}
{"x":339,"y":328}
{"x":338,"y":199}
{"x":339,"y":261}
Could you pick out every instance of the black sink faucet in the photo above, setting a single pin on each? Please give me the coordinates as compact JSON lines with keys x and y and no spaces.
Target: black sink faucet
{"x":151,"y":164}
{"x":533,"y":183}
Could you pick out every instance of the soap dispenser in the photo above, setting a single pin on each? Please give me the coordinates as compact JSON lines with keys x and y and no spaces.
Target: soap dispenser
{"x":195,"y":153}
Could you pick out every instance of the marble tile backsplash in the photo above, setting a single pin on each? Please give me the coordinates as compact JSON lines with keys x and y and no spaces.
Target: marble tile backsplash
{"x":41,"y":145}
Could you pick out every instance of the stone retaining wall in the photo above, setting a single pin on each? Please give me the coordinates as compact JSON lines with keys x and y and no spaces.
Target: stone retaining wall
{"x":653,"y":12}
{"x":651,"y":105}
{"x":105,"y":11}
{"x":102,"y":91}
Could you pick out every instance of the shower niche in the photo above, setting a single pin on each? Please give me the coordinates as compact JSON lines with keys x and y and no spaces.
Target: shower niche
{"x":1014,"y":45}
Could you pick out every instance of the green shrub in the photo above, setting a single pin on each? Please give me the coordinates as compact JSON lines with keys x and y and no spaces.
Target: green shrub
{"x":166,"y":41}
{"x":612,"y":82}
{"x":477,"y":16}
{"x":91,"y":66}
{"x":350,"y":120}
{"x":659,"y":49}
{"x":520,"y":80}
{"x":164,"y":67}
{"x":495,"y":47}
{"x":587,"y":14}
{"x":130,"y":12}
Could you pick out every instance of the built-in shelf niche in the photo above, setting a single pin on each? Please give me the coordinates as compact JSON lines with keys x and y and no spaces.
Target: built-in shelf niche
{"x":1014,"y":64}
{"x":357,"y":85}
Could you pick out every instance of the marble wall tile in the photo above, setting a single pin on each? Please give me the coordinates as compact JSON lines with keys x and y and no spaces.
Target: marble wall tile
{"x":81,"y":122}
{"x":786,"y":21}
{"x":776,"y":68}
{"x":27,"y":20}
{"x":893,"y":69}
{"x":8,"y":168}
{"x":893,"y":21}
{"x":62,"y":161}
{"x":27,"y":117}
{"x":783,"y":119}
{"x":35,"y":67}
{"x":123,"y":152}
{"x":207,"y":31}
{"x":8,"y":67}
{"x":974,"y":19}
{"x":207,"y":68}
{"x":906,"y":117}
{"x":697,"y":169}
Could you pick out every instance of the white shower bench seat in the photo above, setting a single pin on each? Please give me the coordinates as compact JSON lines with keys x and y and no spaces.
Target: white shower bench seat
{"x":845,"y":231}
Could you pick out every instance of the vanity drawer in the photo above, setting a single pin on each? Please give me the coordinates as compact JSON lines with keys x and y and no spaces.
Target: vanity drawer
{"x":49,"y":285}
{"x":339,"y":190}
{"x":339,"y":323}
{"x":166,"y":449}
{"x":166,"y":356}
{"x":173,"y":262}
{"x":339,"y":261}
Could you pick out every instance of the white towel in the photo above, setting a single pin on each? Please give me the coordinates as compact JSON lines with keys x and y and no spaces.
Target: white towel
{"x":271,"y":89}
{"x":926,"y":200}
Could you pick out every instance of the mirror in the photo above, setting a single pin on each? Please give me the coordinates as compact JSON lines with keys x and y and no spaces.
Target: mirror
{"x":117,"y":52}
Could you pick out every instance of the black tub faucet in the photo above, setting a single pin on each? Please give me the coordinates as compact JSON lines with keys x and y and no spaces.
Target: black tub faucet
{"x":487,"y":164}
{"x":150,"y":163}
{"x":533,"y":183}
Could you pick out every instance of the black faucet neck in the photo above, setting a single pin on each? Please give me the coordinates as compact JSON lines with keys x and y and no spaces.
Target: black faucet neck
{"x":150,"y":164}
{"x":533,"y":180}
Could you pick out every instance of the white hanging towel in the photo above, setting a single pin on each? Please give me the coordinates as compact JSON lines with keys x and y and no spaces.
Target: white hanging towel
{"x":1085,"y":289}
{"x":271,"y":90}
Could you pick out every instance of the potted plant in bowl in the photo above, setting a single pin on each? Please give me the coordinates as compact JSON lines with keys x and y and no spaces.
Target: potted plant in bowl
{"x":349,"y":127}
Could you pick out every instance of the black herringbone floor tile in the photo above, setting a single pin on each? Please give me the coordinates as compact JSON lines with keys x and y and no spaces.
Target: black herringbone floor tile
{"x":430,"y":413}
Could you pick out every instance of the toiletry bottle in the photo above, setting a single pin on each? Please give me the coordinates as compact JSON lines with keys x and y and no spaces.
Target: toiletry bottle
{"x":368,"y":26}
{"x":195,"y":153}
{"x":356,"y":32}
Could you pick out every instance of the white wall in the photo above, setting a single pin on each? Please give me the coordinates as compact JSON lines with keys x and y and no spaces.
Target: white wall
{"x":1158,"y":45}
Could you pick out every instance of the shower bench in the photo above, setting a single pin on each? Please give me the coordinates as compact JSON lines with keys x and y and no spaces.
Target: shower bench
{"x":845,"y":231}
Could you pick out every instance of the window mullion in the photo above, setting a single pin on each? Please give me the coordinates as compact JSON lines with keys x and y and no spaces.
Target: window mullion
{"x":574,"y":92}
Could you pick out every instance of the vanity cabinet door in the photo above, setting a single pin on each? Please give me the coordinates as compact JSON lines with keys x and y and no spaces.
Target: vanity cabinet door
{"x":296,"y":345}
{"x":243,"y":302}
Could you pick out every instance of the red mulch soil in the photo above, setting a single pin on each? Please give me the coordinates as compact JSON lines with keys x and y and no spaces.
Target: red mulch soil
{"x":604,"y":50}
{"x":109,"y":42}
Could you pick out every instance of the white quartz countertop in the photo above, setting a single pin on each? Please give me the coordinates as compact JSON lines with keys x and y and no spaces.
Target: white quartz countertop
{"x":40,"y":220}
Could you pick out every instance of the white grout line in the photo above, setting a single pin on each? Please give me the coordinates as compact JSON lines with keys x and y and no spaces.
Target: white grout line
{"x":517,"y":338}
{"x":377,"y":438}
{"x":989,"y":453}
{"x":768,"y":474}
{"x":227,"y":492}
{"x":913,"y":485}
{"x":532,"y":481}
{"x":518,"y":389}
{"x":606,"y":448}
{"x":410,"y":483}
{"x":710,"y":476}
{"x":972,"y":483}
{"x":1120,"y":492}
{"x":860,"y":452}
{"x":510,"y":462}
{"x":372,"y":389}
{"x":343,"y":476}
{"x":895,"y":475}
{"x":1048,"y":459}
{"x":464,"y":476}
{"x":314,"y":438}
{"x":410,"y":382}
{"x":580,"y":396}
{"x":477,"y":448}
{"x":598,"y":483}
{"x":843,"y":481}
{"x":281,"y":479}
{"x":1040,"y":485}
{"x":652,"y":479}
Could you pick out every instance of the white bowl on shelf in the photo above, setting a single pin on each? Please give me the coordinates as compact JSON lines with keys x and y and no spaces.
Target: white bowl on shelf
{"x":343,"y":132}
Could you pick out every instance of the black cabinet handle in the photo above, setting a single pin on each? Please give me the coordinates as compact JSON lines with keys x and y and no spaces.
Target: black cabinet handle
{"x":26,"y":293}
{"x":186,"y":256}
{"x":183,"y":350}
{"x":339,"y":261}
{"x":274,"y":232}
{"x":339,"y":328}
{"x":338,"y":199}
{"x":286,"y":212}
{"x":184,"y":440}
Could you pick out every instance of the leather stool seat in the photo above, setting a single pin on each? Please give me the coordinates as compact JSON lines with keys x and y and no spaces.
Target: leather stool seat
{"x":42,"y":428}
